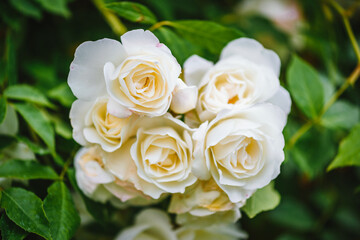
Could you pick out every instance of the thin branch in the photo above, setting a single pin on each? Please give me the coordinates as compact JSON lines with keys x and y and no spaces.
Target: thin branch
{"x":349,"y":81}
{"x":159,"y":24}
{"x":114,"y":22}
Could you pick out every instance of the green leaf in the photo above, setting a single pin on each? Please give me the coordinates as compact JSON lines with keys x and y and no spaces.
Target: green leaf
{"x":180,"y":48}
{"x":60,"y":210}
{"x":341,"y":114}
{"x":27,"y":93}
{"x":26,"y":210}
{"x":63,"y":94}
{"x":10,"y":124}
{"x":313,"y":152}
{"x":26,"y":170}
{"x":349,"y":219}
{"x":305,"y":87}
{"x":293,"y":214}
{"x":11,"y":71}
{"x":6,"y":140}
{"x":349,"y":151}
{"x":210,"y":35}
{"x":9,"y":230}
{"x":38,"y":122}
{"x":61,"y":127}
{"x":289,"y":237}
{"x":27,"y":7}
{"x":2,"y":108}
{"x":33,"y":146}
{"x":43,"y":73}
{"x":134,"y":12}
{"x":55,"y":6}
{"x":264,"y":199}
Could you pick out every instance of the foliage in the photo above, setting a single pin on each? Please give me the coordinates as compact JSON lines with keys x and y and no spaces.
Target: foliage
{"x":320,"y":66}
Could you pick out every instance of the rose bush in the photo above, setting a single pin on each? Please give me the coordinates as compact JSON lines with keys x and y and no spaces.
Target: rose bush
{"x":136,"y":152}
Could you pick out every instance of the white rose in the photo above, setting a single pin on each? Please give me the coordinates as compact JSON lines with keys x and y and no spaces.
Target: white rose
{"x":241,"y":149}
{"x":150,"y":224}
{"x":139,"y":74}
{"x":212,"y":232}
{"x":160,"y":158}
{"x":204,"y":198}
{"x":93,"y":123}
{"x":97,"y":182}
{"x":245,"y":74}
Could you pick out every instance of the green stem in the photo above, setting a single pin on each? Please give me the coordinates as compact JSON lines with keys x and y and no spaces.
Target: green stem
{"x":65,"y":168}
{"x":349,"y":81}
{"x":345,"y":18}
{"x":114,"y":22}
{"x":159,"y":24}
{"x":67,"y":163}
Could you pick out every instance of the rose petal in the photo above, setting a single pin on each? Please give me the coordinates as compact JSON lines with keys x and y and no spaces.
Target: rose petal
{"x":86,"y":78}
{"x":195,"y":68}
{"x":78,"y":111}
{"x":282,"y":99}
{"x":199,"y":166}
{"x":139,"y":41}
{"x":254,"y":51}
{"x":184,"y":98}
{"x":114,"y":108}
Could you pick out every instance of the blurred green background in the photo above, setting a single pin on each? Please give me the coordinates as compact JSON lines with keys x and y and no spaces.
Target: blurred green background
{"x":37,"y":43}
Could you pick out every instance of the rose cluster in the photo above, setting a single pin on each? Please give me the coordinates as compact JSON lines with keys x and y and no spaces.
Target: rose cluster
{"x":208,"y":140}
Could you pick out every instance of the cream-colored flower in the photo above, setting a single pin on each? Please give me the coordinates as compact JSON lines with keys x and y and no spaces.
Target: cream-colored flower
{"x":213,"y":232}
{"x":241,"y":149}
{"x":160,"y":157}
{"x":97,"y":182}
{"x":140,"y":74}
{"x":202,"y":199}
{"x":93,"y":123}
{"x":150,"y":224}
{"x":246,"y":74}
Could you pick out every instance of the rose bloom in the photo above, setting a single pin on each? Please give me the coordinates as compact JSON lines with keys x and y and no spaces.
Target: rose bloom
{"x":140,"y":75}
{"x":241,"y":149}
{"x":149,"y":224}
{"x":211,"y":232}
{"x":158,"y":158}
{"x":202,"y":199}
{"x":97,"y":182}
{"x":92,"y":123}
{"x":246,"y":74}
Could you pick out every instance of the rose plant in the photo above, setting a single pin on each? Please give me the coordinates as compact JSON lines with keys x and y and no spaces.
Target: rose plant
{"x":146,"y":152}
{"x":160,"y":128}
